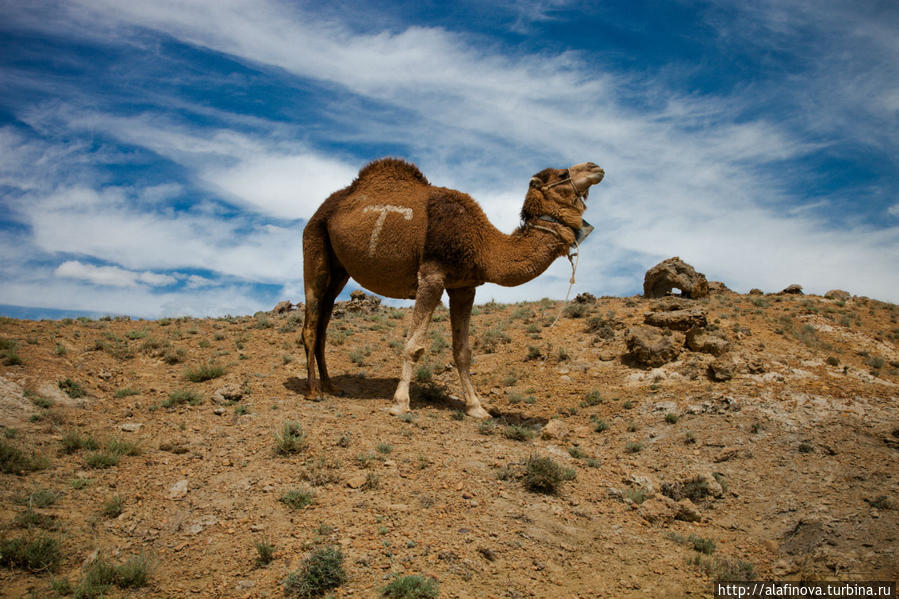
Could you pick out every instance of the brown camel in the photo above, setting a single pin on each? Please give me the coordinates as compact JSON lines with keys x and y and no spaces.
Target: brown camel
{"x":399,"y":236}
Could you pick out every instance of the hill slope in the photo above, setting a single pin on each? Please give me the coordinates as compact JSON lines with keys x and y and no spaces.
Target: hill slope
{"x":781,"y":455}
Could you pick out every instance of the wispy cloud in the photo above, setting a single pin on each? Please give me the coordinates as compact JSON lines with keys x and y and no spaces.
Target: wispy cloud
{"x":111,"y":275}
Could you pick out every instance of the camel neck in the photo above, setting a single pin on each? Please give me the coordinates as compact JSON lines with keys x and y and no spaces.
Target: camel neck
{"x":517,"y":258}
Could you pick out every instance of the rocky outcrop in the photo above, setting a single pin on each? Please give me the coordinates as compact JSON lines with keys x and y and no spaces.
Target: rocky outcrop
{"x":724,"y":368}
{"x":794,"y":289}
{"x":676,"y":314}
{"x":756,"y":291}
{"x":677,"y":320}
{"x":838,"y":294}
{"x":707,"y":342}
{"x":360,"y":302}
{"x":719,"y":288}
{"x":648,"y":347}
{"x":283,"y":307}
{"x":674,"y":273}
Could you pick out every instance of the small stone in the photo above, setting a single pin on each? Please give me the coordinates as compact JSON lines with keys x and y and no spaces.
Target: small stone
{"x":658,"y":510}
{"x":257,"y":527}
{"x":554,"y":429}
{"x":355,"y":481}
{"x":131,"y":427}
{"x":243,"y":585}
{"x":687,"y":511}
{"x":226,"y":394}
{"x":218,"y":410}
{"x":178,"y":490}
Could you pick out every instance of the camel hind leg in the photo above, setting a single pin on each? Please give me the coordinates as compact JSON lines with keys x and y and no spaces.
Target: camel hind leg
{"x":461,"y":301}
{"x":335,"y":285}
{"x":323,"y":278}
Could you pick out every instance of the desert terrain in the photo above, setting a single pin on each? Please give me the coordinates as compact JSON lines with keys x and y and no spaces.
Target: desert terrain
{"x":185,"y":448}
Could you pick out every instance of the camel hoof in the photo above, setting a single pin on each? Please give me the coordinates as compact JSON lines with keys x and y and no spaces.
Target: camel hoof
{"x":399,"y":410}
{"x":478,"y":412}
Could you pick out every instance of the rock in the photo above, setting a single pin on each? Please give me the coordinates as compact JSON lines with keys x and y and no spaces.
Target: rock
{"x":218,"y":410}
{"x":706,"y":342}
{"x":687,"y":511}
{"x":243,"y":585}
{"x":658,"y":510}
{"x":794,"y":289}
{"x":585,"y":298}
{"x":131,"y":427}
{"x":359,"y":302}
{"x":723,"y":368}
{"x":838,"y":294}
{"x":282,"y":307}
{"x":554,"y":429}
{"x":607,"y":356}
{"x":104,"y":374}
{"x":355,"y":481}
{"x":178,"y":490}
{"x":677,"y":320}
{"x":718,"y":288}
{"x":647,"y":347}
{"x":756,"y":291}
{"x":226,"y":394}
{"x":674,"y":273}
{"x":641,"y":482}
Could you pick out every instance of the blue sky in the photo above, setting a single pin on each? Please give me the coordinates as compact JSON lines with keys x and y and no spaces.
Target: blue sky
{"x":160,"y":158}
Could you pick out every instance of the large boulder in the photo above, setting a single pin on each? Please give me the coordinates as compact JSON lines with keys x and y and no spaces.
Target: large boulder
{"x":674,"y":273}
{"x":794,"y":289}
{"x":649,"y":348}
{"x":838,"y":294}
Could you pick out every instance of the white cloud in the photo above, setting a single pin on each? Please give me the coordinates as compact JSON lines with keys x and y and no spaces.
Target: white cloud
{"x":893,"y":210}
{"x":111,"y":275}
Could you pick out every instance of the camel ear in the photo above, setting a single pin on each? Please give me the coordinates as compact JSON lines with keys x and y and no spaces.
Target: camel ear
{"x":536,"y":182}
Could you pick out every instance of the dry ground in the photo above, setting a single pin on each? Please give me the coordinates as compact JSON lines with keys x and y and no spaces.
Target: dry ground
{"x":801,"y":445}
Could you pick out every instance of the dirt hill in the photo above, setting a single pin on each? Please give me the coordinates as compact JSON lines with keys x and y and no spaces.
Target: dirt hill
{"x":776,"y":459}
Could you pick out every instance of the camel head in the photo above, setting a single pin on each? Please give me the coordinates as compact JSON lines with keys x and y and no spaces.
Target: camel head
{"x":560,"y":194}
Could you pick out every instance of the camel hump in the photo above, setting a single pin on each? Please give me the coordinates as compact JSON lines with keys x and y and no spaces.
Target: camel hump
{"x":391,"y":168}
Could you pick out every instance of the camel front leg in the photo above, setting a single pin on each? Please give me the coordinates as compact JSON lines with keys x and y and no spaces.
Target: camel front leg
{"x":430,"y":289}
{"x":461,"y":301}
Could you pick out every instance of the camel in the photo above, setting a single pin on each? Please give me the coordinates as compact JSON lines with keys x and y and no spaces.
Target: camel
{"x":399,"y":236}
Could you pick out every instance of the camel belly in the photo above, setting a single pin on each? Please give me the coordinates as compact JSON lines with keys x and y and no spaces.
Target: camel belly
{"x":380,"y":244}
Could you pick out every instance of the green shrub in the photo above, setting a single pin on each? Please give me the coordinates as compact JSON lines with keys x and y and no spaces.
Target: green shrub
{"x":320,"y":572}
{"x":13,"y":461}
{"x":205,"y":372}
{"x":72,"y":388}
{"x":411,"y":587}
{"x":35,"y":554}
{"x":297,"y":498}
{"x":181,"y":396}
{"x":291,"y":439}
{"x":114,"y":507}
{"x":545,"y":475}
{"x":517,"y":432}
{"x":265,"y":552}
{"x":72,"y":441}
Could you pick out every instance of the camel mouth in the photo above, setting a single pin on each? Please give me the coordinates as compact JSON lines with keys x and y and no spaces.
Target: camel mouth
{"x":585,"y":175}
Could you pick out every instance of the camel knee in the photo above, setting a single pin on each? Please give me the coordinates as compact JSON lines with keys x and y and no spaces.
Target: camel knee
{"x":414,"y":351}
